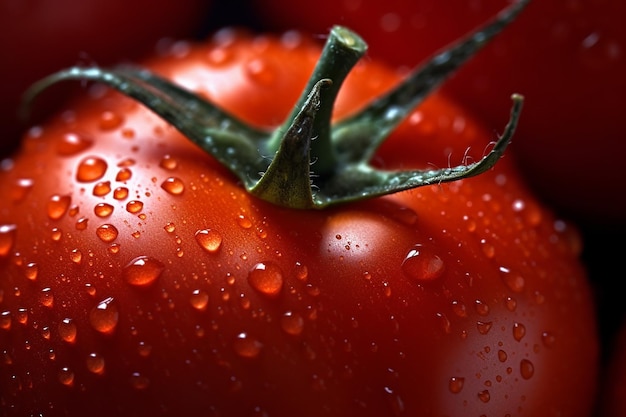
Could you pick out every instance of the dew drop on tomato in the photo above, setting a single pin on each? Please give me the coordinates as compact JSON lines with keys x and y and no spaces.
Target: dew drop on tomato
{"x":90,"y":169}
{"x":103,"y":210}
{"x":76,"y":256}
{"x":95,"y":363}
{"x":120,"y":193}
{"x":199,"y":300}
{"x":46,"y":298}
{"x":22,"y":315}
{"x":134,"y":206}
{"x":292,"y":323}
{"x":66,"y":376}
{"x":266,"y":278}
{"x":139,"y":381}
{"x":168,"y":162}
{"x":123,"y":174}
{"x":244,"y":222}
{"x":57,"y":206}
{"x":104,"y":316}
{"x":7,"y":238}
{"x":422,"y":265}
{"x":173,"y":185}
{"x":481,"y":308}
{"x":102,"y":188}
{"x":502,"y":355}
{"x":143,"y":349}
{"x":519,"y":331}
{"x":142,"y":271}
{"x":484,"y":326}
{"x":455,"y":385}
{"x":21,"y":188}
{"x":209,"y":240}
{"x":72,"y":143}
{"x":247,"y":346}
{"x":484,"y":396}
{"x":260,"y":72}
{"x":107,"y":232}
{"x":459,"y":309}
{"x":67,"y":330}
{"x":110,"y":120}
{"x":514,"y":281}
{"x":548,"y":339}
{"x":527,"y":369}
{"x":81,"y":224}
{"x":5,"y":320}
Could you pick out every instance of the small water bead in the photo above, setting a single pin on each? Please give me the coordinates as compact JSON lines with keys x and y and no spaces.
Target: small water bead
{"x":46,"y":298}
{"x":209,"y":240}
{"x":488,"y":249}
{"x":134,"y":206}
{"x":56,"y":234}
{"x":90,"y":169}
{"x":7,"y":238}
{"x":21,"y":188}
{"x":244,"y":222}
{"x":67,"y":330}
{"x":103,"y":210}
{"x":173,"y":185}
{"x":527,"y":369}
{"x":519,"y":331}
{"x":76,"y":256}
{"x":514,"y":281}
{"x":102,"y":188}
{"x":502,"y":355}
{"x":144,"y":350}
{"x":481,"y":308}
{"x":170,"y":227}
{"x":548,"y":339}
{"x":72,"y":143}
{"x":199,"y":300}
{"x":123,"y":174}
{"x":110,"y":120}
{"x":107,"y":232}
{"x":168,"y":162}
{"x":267,"y":278}
{"x":66,"y":377}
{"x":57,"y":206}
{"x":95,"y":363}
{"x":142,"y":271}
{"x":484,"y":396}
{"x":455,"y":385}
{"x":247,"y":346}
{"x":104,"y":316}
{"x":81,"y":224}
{"x":120,"y":193}
{"x":302,"y":271}
{"x":484,"y":326}
{"x":422,"y":264}
{"x":292,"y":323}
{"x":22,"y":315}
{"x":114,"y":248}
{"x":5,"y":320}
{"x":459,"y":309}
{"x":139,"y":381}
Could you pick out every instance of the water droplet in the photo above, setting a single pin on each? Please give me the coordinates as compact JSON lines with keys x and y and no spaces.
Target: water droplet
{"x":76,"y":256}
{"x":488,"y":249}
{"x":510,"y":303}
{"x":302,"y":272}
{"x":5,"y":320}
{"x":102,"y":188}
{"x":244,"y":222}
{"x":142,"y":271}
{"x":502,"y":356}
{"x":66,"y":377}
{"x":246,"y":346}
{"x":514,"y":281}
{"x":209,"y":240}
{"x":168,"y":162}
{"x":120,"y":193}
{"x":548,"y":339}
{"x":261,"y":72}
{"x":56,"y":234}
{"x":67,"y":330}
{"x":292,"y":323}
{"x":81,"y":224}
{"x":103,"y":210}
{"x":267,"y":278}
{"x":21,"y":188}
{"x":484,"y":326}
{"x":107,"y":232}
{"x":422,"y":264}
{"x":95,"y":363}
{"x":46,"y":298}
{"x":444,"y":321}
{"x":455,"y":385}
{"x":459,"y":309}
{"x":481,"y":308}
{"x":7,"y":238}
{"x":173,"y":185}
{"x":139,"y":381}
{"x":104,"y":316}
{"x":519,"y":331}
{"x":123,"y":174}
{"x":170,"y":227}
{"x":134,"y":206}
{"x":90,"y":169}
{"x":527,"y":369}
{"x":484,"y":396}
{"x":57,"y":206}
{"x":72,"y":143}
{"x":110,"y":120}
{"x":199,"y":299}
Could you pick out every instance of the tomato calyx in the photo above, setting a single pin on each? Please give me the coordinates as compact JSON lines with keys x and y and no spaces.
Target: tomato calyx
{"x":310,"y":162}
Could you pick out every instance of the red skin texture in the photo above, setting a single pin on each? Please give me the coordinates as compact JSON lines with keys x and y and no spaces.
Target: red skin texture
{"x":568,"y":58}
{"x":502,"y":303}
{"x":40,"y":37}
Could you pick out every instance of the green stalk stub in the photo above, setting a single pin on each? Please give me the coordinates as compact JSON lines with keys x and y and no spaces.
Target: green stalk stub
{"x":276,"y":166}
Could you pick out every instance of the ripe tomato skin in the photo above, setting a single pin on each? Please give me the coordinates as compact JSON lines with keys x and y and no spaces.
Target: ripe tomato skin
{"x":40,"y":37}
{"x":460,"y":299}
{"x":566,"y":57}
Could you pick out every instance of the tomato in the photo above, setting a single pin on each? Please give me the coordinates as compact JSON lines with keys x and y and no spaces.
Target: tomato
{"x":39,"y":37}
{"x":566,"y":57}
{"x":140,"y":277}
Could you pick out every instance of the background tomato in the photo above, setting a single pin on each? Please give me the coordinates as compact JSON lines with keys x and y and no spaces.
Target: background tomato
{"x":140,"y":279}
{"x":567,"y":57}
{"x":40,"y":37}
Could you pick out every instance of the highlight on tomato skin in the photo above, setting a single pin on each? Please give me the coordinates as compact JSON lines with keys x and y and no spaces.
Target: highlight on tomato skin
{"x":140,"y":278}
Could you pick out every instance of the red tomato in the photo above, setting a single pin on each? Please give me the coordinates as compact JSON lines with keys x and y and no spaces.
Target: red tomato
{"x":139,"y":278}
{"x":39,"y":37}
{"x":568,"y":58}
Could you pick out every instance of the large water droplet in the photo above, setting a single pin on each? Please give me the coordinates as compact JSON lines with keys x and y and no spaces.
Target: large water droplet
{"x":104,"y":316}
{"x":95,"y":363}
{"x":102,"y":188}
{"x":247,"y":346}
{"x":72,"y":143}
{"x":67,"y":330}
{"x":57,"y":206}
{"x":267,"y":278}
{"x":124,"y":174}
{"x":199,"y":299}
{"x":173,"y":185}
{"x":46,"y":298}
{"x":142,"y":271}
{"x":103,"y":210}
{"x":455,"y":385}
{"x":134,"y":206}
{"x":107,"y":232}
{"x":120,"y":193}
{"x":66,"y":376}
{"x":90,"y":169}
{"x":519,"y":331}
{"x":484,"y":396}
{"x":7,"y":238}
{"x":292,"y":323}
{"x":514,"y":281}
{"x":527,"y":369}
{"x":422,"y":264}
{"x":110,"y":120}
{"x":209,"y":240}
{"x":168,"y":162}
{"x":21,"y":188}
